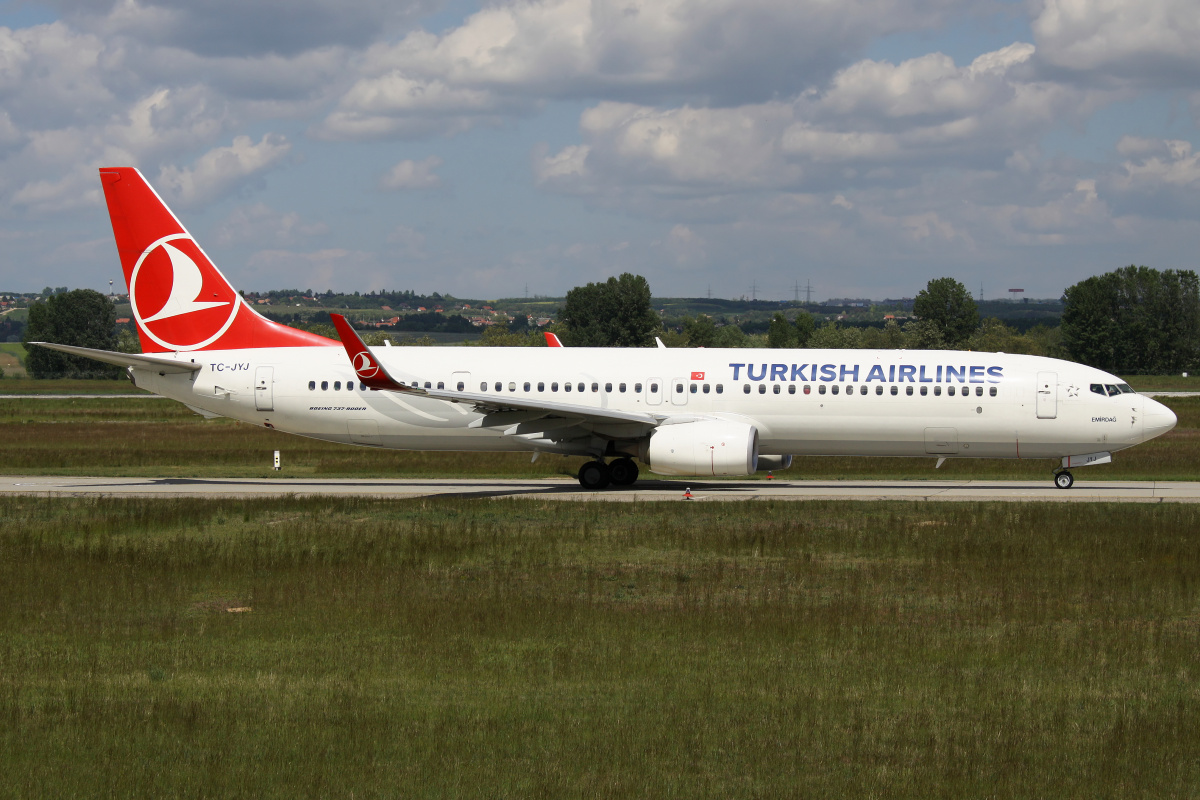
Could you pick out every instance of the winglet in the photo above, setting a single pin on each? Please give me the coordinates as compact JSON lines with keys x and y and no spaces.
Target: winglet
{"x":368,"y":368}
{"x":552,"y":340}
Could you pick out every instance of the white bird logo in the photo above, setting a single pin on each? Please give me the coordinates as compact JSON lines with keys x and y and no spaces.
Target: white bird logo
{"x":186,"y":285}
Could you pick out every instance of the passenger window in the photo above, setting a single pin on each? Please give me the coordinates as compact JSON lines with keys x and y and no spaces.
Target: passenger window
{"x":461,"y":386}
{"x":835,"y":388}
{"x":312,"y":386}
{"x":608,"y":387}
{"x":350,"y":386}
{"x":554,"y":386}
{"x":337,"y":385}
{"x":441,"y":385}
{"x":807,"y":389}
{"x":746,"y":388}
{"x":362,"y":387}
{"x":762,"y":388}
{"x":720,"y":388}
{"x":621,"y":388}
{"x":566,"y":387}
{"x":512,"y":386}
{"x":895,"y":391}
{"x":879,"y":389}
{"x":428,"y":385}
{"x":821,"y":389}
{"x":579,"y":386}
{"x":791,"y":388}
{"x":706,"y":388}
{"x":498,"y":386}
{"x":679,"y":388}
{"x":924,"y":391}
{"x":950,"y":391}
{"x":776,"y":388}
{"x":654,"y":388}
{"x":694,"y":388}
{"x":979,"y":391}
{"x":937,"y":391}
{"x":324,"y":385}
{"x":526,"y":386}
{"x":595,"y":387}
{"x":637,"y":388}
{"x":992,"y":391}
{"x":908,"y":390}
{"x":541,"y":386}
{"x":483,"y":386}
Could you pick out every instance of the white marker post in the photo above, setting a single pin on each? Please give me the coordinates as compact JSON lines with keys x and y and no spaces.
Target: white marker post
{"x":276,"y":460}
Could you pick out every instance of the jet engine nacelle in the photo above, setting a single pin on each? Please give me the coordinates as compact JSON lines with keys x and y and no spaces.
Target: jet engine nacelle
{"x":705,"y":447}
{"x":773,"y":463}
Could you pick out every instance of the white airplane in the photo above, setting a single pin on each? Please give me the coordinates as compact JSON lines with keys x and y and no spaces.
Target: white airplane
{"x":702,"y":412}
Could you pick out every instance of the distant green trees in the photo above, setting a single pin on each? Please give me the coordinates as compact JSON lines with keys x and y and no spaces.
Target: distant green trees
{"x":615,"y":313}
{"x":947,"y":304}
{"x":1134,"y":320}
{"x":83,"y":318}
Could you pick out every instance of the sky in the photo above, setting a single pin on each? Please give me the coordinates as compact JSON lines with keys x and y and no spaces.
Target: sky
{"x":724,"y":147}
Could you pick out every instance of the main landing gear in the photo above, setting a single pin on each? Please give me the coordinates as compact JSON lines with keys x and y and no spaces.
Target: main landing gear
{"x":1063,"y":479}
{"x":596,"y":475}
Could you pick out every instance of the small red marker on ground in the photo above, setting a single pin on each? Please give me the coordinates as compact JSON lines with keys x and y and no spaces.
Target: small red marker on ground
{"x":687,"y":493}
{"x":770,"y":477}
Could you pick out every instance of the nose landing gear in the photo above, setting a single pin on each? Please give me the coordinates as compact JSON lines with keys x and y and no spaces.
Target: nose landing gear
{"x":1063,"y":479}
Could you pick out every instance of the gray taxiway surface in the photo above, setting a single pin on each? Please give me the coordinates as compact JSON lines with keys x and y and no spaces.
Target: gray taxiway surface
{"x":566,"y":489}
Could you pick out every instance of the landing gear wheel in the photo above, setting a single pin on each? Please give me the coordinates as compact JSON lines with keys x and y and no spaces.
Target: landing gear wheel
{"x":594,"y":476}
{"x":623,"y":472}
{"x":1064,"y":479}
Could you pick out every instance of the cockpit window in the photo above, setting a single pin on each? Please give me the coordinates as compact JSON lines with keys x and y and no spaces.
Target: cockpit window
{"x":1126,"y":388}
{"x":1113,"y":391}
{"x":1098,"y":388}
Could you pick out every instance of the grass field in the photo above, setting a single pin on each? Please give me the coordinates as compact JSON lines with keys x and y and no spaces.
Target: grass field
{"x":520,"y":649}
{"x":156,"y":437}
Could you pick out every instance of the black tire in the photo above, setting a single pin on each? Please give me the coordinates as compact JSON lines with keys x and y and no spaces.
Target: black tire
{"x":623,"y":472}
{"x":1064,"y":480}
{"x":594,"y":476}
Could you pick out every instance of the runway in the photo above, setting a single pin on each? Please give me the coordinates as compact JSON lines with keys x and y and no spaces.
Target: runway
{"x":567,"y":489}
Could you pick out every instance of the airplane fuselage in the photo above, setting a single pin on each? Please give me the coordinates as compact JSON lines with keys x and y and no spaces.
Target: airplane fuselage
{"x":802,"y":402}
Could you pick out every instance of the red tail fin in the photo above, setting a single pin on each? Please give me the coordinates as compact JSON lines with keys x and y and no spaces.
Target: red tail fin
{"x":552,"y":340}
{"x":180,"y":300}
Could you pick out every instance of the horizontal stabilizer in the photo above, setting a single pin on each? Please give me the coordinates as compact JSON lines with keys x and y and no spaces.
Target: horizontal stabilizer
{"x":159,"y":364}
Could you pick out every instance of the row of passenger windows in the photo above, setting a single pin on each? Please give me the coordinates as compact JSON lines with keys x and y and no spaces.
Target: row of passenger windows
{"x":695,"y":388}
{"x":965,"y":391}
{"x":337,"y":386}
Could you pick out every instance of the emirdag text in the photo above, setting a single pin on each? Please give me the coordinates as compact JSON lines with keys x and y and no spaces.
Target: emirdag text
{"x":896,"y":373}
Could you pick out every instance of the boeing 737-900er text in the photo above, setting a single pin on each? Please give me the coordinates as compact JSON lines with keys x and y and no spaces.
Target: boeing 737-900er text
{"x":677,"y":411}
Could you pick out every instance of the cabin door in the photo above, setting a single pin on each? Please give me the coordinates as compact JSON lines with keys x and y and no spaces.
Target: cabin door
{"x":1047,"y":395}
{"x":264,"y":388}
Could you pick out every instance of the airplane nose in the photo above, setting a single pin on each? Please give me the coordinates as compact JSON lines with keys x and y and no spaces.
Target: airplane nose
{"x":1157,"y":419}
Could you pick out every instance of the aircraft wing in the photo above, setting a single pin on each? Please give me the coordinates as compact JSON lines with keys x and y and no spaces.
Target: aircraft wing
{"x":160,"y":364}
{"x":501,"y":410}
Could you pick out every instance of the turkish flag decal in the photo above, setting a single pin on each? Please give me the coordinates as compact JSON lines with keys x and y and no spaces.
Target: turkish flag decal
{"x":697,"y":376}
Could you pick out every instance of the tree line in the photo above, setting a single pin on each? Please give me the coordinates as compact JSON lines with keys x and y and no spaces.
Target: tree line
{"x":1135,"y":320}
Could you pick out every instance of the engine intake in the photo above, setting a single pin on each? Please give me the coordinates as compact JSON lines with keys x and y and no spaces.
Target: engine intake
{"x":705,"y":447}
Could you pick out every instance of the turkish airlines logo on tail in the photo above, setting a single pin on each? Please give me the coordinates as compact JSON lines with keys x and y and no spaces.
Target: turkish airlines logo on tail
{"x":179,"y":299}
{"x":365,"y":366}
